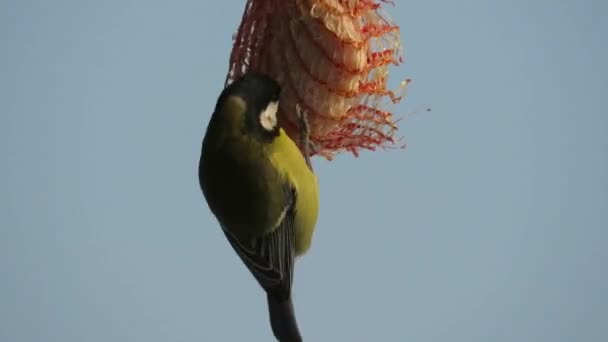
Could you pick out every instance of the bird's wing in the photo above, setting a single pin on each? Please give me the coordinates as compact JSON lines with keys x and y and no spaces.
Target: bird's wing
{"x":271,"y":257}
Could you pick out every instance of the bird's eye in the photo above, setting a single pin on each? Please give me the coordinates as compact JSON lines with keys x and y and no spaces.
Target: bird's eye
{"x":268,"y":117}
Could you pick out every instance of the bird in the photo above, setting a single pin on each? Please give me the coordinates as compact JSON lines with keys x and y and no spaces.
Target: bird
{"x":262,"y":190}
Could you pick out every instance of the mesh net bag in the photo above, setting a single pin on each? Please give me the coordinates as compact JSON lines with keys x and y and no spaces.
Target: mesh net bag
{"x":331,"y":58}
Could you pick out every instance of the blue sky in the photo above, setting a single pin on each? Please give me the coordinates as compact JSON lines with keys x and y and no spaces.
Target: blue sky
{"x":490,"y":226}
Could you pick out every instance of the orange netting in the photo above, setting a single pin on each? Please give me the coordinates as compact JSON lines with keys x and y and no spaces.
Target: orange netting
{"x":331,"y":57}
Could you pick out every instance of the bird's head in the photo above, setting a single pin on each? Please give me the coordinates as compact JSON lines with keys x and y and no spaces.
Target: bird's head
{"x":252,"y":102}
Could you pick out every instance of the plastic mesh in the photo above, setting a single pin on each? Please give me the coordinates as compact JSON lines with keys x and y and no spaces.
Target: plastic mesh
{"x":331,"y":57}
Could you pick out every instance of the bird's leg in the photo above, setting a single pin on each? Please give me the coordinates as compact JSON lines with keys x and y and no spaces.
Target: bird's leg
{"x":305,"y":135}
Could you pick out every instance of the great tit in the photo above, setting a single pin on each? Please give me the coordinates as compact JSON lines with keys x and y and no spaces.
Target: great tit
{"x":262,"y":190}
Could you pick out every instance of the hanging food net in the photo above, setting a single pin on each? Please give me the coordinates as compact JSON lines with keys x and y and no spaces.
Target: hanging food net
{"x":331,"y":58}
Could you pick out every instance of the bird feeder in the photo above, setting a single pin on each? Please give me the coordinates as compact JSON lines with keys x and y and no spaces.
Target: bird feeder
{"x":332,"y":60}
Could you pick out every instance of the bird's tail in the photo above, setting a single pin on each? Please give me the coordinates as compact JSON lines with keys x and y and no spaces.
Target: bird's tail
{"x":283,"y":319}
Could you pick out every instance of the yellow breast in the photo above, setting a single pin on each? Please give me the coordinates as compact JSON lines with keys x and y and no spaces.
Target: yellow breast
{"x":287,"y":158}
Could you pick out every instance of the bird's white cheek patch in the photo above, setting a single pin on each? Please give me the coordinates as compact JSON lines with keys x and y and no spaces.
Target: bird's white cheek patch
{"x":268,"y":118}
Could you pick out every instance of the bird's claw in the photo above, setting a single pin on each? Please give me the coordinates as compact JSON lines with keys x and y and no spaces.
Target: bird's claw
{"x":305,"y":142}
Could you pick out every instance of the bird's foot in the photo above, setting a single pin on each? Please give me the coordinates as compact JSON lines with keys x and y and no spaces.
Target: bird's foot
{"x":305,"y":142}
